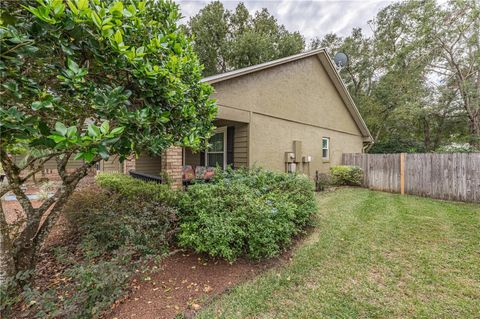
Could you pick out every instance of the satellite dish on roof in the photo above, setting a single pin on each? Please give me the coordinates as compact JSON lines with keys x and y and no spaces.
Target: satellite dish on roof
{"x":340,"y":59}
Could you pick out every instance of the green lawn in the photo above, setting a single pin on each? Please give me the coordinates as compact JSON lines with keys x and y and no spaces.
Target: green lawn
{"x":372,"y":255}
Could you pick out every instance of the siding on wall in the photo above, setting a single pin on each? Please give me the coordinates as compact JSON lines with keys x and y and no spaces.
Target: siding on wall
{"x":148,"y":165}
{"x":240,"y":145}
{"x":112,"y":165}
{"x":52,"y":163}
{"x":191,"y":158}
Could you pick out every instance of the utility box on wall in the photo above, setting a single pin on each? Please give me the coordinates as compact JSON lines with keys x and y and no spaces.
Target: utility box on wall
{"x":289,"y":157}
{"x":306,"y":159}
{"x":297,"y":149}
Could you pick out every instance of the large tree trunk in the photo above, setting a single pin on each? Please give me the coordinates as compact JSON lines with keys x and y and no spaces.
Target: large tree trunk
{"x":18,"y":251}
{"x":7,"y":262}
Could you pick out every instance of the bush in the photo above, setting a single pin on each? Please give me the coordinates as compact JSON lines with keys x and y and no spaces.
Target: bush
{"x":123,"y":216}
{"x":116,"y":228}
{"x":322,"y":181}
{"x":346,"y":175}
{"x":94,"y":286}
{"x":135,"y":189}
{"x":245,"y":212}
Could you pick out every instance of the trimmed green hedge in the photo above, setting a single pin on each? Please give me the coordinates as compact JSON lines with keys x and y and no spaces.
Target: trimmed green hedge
{"x":253,"y":213}
{"x":135,"y":189}
{"x":346,"y":175}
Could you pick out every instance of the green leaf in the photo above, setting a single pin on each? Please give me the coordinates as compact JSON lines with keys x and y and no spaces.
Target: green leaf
{"x":93,"y":130}
{"x":117,"y":7}
{"x":78,"y":156}
{"x":72,"y":7}
{"x":88,"y":156}
{"x":82,"y":4}
{"x":61,"y":128}
{"x":103,"y":152}
{"x":118,"y":37}
{"x":71,"y":132}
{"x":177,"y":48}
{"x":43,"y":128}
{"x":96,"y":19}
{"x":117,"y":130}
{"x":57,"y":138}
{"x":73,"y":66}
{"x":105,"y":127}
{"x":37,"y":105}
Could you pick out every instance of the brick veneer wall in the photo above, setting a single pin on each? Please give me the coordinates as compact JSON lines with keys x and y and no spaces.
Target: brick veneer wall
{"x":129,"y":164}
{"x":172,"y":165}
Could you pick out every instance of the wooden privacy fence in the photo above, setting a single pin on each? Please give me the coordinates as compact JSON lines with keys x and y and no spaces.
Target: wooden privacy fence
{"x":452,"y":176}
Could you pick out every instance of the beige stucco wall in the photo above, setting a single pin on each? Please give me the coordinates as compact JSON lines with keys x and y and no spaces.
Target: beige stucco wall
{"x":294,"y":101}
{"x":272,"y":137}
{"x":298,"y":91}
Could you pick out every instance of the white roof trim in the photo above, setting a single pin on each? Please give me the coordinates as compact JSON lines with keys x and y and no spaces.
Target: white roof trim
{"x":326,"y":63}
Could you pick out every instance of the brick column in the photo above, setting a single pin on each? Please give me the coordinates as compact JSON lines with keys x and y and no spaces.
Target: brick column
{"x":129,"y":164}
{"x":172,"y":165}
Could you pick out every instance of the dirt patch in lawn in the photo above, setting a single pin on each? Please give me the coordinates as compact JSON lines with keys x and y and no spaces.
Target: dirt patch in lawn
{"x":184,"y":284}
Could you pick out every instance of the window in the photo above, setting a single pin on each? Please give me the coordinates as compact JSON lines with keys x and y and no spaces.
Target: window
{"x":216,"y":153}
{"x":326,"y":148}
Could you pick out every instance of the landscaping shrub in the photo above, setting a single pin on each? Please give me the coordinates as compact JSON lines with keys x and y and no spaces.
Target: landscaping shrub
{"x":322,"y":181}
{"x":116,"y":228}
{"x":245,"y":212}
{"x":346,"y":175}
{"x":93,"y":287}
{"x":108,"y":221}
{"x":135,"y":189}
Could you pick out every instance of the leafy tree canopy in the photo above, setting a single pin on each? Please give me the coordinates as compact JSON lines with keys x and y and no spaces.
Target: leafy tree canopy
{"x":226,"y":40}
{"x":87,"y":79}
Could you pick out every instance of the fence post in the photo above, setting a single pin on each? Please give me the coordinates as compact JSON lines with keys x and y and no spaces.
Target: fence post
{"x":402,"y":173}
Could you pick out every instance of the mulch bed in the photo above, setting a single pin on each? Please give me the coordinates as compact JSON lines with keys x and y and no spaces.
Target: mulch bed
{"x":185,"y":283}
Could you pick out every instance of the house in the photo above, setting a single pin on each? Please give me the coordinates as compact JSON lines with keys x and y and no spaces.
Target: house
{"x":291,"y":114}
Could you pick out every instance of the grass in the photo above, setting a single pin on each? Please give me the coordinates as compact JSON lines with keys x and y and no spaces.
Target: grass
{"x":372,"y":255}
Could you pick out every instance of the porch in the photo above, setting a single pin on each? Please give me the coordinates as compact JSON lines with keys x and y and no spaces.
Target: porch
{"x":229,"y":147}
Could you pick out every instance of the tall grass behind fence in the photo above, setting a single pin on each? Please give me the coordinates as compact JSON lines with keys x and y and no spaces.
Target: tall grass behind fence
{"x":452,"y":176}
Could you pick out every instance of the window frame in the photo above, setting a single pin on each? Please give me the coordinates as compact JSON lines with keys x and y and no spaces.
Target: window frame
{"x":223,"y":130}
{"x":327,"y":158}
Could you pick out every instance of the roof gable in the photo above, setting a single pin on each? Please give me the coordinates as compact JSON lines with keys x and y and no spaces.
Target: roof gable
{"x":327,"y":64}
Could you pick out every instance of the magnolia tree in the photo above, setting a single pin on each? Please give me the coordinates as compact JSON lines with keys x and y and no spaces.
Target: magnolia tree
{"x":85,"y":80}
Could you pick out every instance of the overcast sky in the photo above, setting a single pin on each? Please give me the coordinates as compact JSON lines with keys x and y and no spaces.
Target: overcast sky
{"x":311,"y":18}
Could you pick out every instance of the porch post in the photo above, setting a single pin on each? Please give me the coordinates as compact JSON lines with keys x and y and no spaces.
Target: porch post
{"x":172,"y":165}
{"x":129,"y":164}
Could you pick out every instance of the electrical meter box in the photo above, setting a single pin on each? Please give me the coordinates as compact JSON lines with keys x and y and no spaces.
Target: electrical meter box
{"x":289,"y":157}
{"x":297,"y":149}
{"x":307,"y":159}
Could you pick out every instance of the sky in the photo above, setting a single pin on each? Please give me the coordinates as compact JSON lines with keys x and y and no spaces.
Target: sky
{"x":311,"y":18}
